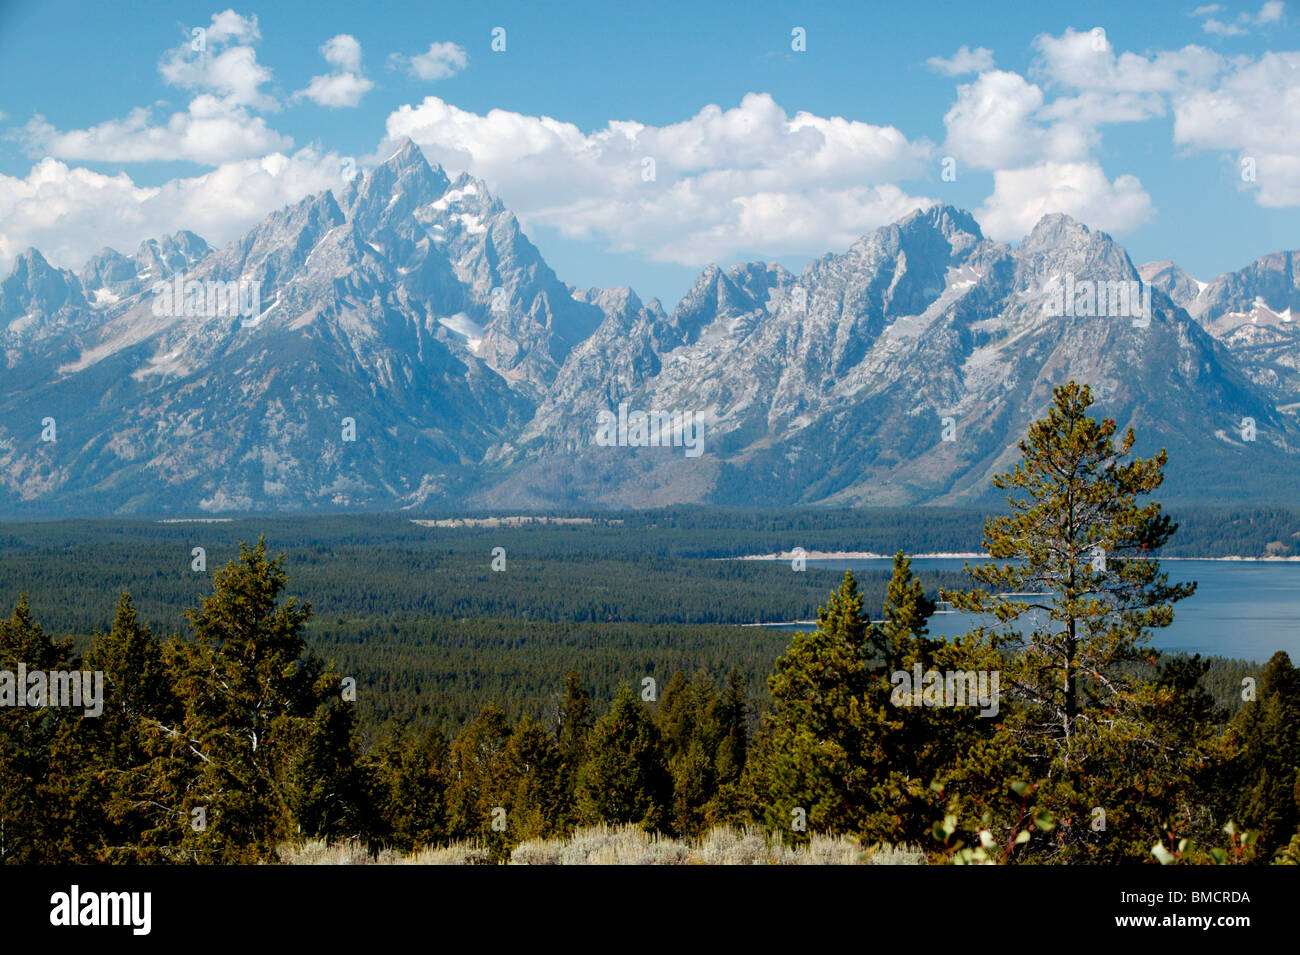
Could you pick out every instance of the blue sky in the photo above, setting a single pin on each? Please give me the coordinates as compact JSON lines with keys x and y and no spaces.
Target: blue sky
{"x":1139,"y":119}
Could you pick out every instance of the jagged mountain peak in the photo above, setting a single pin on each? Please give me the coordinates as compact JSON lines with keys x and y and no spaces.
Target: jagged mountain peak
{"x":1057,"y":229}
{"x":1254,"y":312}
{"x":620,"y":298}
{"x":106,"y":268}
{"x":30,"y":262}
{"x":938,"y":234}
{"x":165,"y":256}
{"x":720,"y":289}
{"x":182,"y":242}
{"x":944,"y":219}
{"x":406,"y":154}
{"x":36,"y":290}
{"x":1060,"y":244}
{"x":757,"y":282}
{"x":292,"y":229}
{"x":394,"y":188}
{"x":472,"y":189}
{"x":1181,"y":287}
{"x":415,"y":304}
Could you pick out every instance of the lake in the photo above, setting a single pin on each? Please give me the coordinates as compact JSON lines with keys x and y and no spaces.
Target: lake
{"x":1244,"y":609}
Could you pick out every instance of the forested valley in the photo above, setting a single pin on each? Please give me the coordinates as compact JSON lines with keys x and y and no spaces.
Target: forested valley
{"x":403,"y":686}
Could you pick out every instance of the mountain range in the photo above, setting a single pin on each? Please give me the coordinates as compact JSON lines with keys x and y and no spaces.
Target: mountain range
{"x":409,"y":347}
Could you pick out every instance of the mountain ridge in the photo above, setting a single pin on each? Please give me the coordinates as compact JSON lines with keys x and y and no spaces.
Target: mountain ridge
{"x":411,"y":348}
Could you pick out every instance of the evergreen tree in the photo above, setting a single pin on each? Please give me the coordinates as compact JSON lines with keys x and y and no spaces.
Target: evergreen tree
{"x":907,"y":611}
{"x":840,"y":745}
{"x":128,"y":768}
{"x":26,"y":734}
{"x":476,"y":779}
{"x":1184,"y":723}
{"x":251,"y":698}
{"x":920,"y":751}
{"x":732,"y":803}
{"x":732,"y":716}
{"x":1265,"y":770}
{"x":815,"y":765}
{"x":532,"y":780}
{"x":575,"y":722}
{"x":624,"y":779}
{"x":576,"y":719}
{"x":677,"y":714}
{"x":687,"y":721}
{"x":325,"y":785}
{"x":1073,"y":605}
{"x":406,"y":784}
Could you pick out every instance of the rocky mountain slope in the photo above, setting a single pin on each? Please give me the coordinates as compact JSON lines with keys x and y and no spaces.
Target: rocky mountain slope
{"x":1255,"y":312}
{"x":399,"y":342}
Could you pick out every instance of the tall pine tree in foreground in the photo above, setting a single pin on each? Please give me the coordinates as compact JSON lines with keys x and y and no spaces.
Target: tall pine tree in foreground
{"x":840,"y":752}
{"x":814,"y":763}
{"x":923,"y":750}
{"x":732,"y":716}
{"x":572,"y":726}
{"x":534,"y":794}
{"x":128,"y":767}
{"x":253,"y":700}
{"x":1074,"y":590}
{"x":475,"y":771}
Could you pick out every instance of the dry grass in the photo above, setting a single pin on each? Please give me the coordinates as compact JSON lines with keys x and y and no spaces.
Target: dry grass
{"x":623,"y":845}
{"x":352,"y":852}
{"x":320,"y":852}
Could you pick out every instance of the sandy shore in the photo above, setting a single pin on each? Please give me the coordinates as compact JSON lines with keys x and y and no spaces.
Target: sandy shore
{"x":847,"y":555}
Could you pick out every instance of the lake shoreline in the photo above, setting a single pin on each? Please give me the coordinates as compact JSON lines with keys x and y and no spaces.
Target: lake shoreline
{"x":960,"y":555}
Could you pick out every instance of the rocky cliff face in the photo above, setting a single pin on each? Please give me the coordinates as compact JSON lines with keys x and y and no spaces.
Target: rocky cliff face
{"x":905,"y":369}
{"x":399,"y":342}
{"x":1254,"y":312}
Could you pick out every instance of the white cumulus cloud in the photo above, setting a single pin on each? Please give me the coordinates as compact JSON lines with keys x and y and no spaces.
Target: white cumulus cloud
{"x":992,"y":125}
{"x":344,"y":87}
{"x":1267,"y":15}
{"x":1086,"y":60}
{"x":1081,"y":190}
{"x":343,"y":52}
{"x":1252,"y":112}
{"x":965,"y":60}
{"x":724,"y":182}
{"x":71,"y":213}
{"x":216,"y":67}
{"x":439,"y":62}
{"x":218,"y":125}
{"x":208,"y":132}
